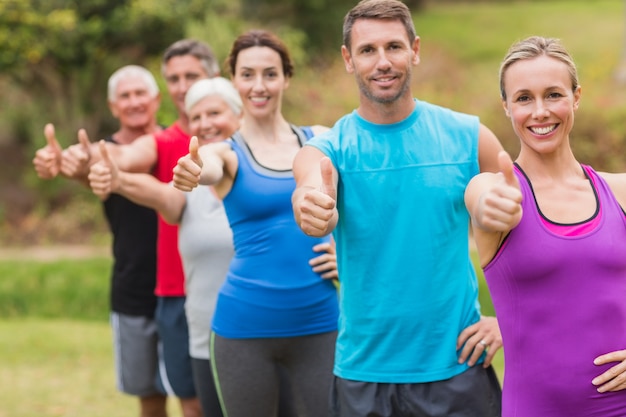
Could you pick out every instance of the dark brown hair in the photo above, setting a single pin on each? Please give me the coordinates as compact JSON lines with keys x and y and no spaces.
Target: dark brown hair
{"x":259,"y":37}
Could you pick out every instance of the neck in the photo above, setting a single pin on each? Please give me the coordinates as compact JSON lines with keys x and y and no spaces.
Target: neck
{"x":386,"y":113}
{"x":128,"y":134}
{"x":183,"y":121}
{"x":267,"y":129}
{"x":560,"y":164}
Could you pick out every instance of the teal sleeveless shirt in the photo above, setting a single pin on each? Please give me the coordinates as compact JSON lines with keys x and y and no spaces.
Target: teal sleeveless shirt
{"x":408,"y":287}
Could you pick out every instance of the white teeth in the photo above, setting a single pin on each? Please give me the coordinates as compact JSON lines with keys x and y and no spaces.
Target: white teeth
{"x":207,"y":136}
{"x":259,"y":99}
{"x":543,"y":130}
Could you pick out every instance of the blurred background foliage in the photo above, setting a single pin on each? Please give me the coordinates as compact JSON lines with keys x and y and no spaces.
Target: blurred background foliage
{"x":57,"y":55}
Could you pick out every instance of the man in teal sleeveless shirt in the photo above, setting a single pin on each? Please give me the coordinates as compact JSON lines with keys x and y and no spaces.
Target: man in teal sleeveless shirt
{"x":388,"y":181}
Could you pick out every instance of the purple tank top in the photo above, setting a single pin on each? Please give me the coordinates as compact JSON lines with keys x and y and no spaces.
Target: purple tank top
{"x":560,"y":302}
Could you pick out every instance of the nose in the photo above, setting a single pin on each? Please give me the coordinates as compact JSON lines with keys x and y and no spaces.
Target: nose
{"x":541,"y":111}
{"x":182,"y":85}
{"x":135,"y":100}
{"x":258,"y":83}
{"x":205,"y":122}
{"x":383,"y":62}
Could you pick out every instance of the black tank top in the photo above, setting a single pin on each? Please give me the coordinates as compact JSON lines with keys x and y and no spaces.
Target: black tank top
{"x":133,"y":279}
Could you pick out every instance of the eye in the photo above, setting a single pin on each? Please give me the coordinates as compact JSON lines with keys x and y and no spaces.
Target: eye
{"x":523,"y":98}
{"x":555,"y":95}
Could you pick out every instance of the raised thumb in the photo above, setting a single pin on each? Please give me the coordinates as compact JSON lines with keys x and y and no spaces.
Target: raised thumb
{"x":104,"y":153}
{"x":505,"y":165}
{"x":193,"y":150}
{"x":83,"y":139}
{"x":328,"y":182}
{"x":50,"y":135}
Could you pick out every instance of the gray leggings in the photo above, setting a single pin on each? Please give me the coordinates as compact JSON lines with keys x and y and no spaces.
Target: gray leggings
{"x":247,"y":379}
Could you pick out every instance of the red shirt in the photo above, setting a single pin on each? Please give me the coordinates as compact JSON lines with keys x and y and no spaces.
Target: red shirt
{"x":172,"y":143}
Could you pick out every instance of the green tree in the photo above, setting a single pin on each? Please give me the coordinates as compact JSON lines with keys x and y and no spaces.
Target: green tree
{"x":320,"y":20}
{"x":61,"y":52}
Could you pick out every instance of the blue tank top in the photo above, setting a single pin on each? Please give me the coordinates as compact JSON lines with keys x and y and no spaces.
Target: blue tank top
{"x":270,"y":289}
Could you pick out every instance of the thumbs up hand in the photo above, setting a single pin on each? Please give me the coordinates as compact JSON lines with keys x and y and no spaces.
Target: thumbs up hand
{"x":47,"y":160}
{"x":188,"y":169}
{"x":104,"y":175}
{"x":76,"y":158}
{"x":500,"y":207}
{"x":316,"y":211}
{"x":328,"y":183}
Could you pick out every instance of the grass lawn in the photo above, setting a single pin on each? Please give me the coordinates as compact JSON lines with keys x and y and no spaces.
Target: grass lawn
{"x":60,"y":367}
{"x":55,"y":341}
{"x":64,"y":368}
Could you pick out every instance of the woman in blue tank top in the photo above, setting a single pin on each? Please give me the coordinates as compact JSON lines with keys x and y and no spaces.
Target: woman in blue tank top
{"x":278,"y":305}
{"x":551,"y":235}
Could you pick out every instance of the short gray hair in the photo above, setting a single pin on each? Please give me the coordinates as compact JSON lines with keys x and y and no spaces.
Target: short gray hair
{"x":217,"y":86}
{"x":195,"y":48}
{"x":131,"y":71}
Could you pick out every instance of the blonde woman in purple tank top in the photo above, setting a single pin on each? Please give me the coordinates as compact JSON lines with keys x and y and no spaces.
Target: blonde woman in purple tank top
{"x":551,"y":235}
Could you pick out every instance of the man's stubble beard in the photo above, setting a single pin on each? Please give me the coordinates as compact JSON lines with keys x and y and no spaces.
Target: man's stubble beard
{"x":384,"y":100}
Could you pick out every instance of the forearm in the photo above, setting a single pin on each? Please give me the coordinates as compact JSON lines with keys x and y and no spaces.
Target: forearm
{"x":212,"y":165}
{"x":145,"y":190}
{"x":211,"y":174}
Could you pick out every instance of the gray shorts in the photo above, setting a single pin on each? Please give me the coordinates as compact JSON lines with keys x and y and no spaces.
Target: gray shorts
{"x":474,"y":393}
{"x":135,"y":344}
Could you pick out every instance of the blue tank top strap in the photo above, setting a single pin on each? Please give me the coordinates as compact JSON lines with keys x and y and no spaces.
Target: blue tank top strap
{"x":308,"y":132}
{"x":303,"y":133}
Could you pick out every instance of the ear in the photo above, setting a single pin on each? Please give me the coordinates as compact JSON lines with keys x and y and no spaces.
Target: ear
{"x":347,"y":59}
{"x":113,"y":109}
{"x":577,"y":96}
{"x":416,"y":51}
{"x":506,"y":109}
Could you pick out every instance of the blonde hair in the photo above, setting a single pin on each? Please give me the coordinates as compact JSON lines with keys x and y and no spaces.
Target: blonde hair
{"x":535,"y":46}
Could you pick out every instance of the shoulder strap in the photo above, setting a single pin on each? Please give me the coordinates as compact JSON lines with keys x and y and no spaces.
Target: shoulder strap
{"x":308,"y":131}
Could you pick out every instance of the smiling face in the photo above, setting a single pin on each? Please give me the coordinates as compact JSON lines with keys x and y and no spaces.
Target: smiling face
{"x":134,"y":105}
{"x":260,"y":80}
{"x":540,"y":102}
{"x":381,"y":57}
{"x":180,"y":73}
{"x":212,"y":120}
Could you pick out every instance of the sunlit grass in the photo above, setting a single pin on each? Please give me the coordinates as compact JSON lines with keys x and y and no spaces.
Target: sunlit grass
{"x":60,"y":368}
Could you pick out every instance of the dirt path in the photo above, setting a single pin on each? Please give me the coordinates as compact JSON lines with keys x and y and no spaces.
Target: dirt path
{"x":53,"y":253}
